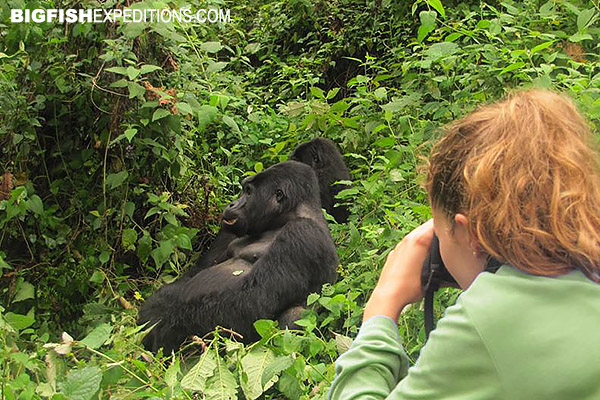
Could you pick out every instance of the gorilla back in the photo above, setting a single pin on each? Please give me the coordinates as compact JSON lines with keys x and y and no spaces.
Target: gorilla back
{"x":283,"y":253}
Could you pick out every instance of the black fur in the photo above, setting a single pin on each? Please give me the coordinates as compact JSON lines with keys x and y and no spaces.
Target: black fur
{"x":281,"y":251}
{"x":325,"y":159}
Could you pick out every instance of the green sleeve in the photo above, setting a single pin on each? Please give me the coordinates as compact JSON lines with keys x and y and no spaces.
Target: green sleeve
{"x":454,"y":364}
{"x":372,"y":366}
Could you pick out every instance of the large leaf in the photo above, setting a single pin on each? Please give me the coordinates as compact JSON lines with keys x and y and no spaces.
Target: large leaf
{"x":254,"y":364}
{"x":222,"y":385}
{"x":196,"y":378}
{"x":98,"y":336}
{"x":81,"y":384}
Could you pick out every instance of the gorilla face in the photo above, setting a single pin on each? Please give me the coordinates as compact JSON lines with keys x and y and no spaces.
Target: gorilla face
{"x":310,"y":153}
{"x":267,"y":197}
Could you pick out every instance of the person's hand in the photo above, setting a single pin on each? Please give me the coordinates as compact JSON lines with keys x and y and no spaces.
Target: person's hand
{"x":400,"y":280}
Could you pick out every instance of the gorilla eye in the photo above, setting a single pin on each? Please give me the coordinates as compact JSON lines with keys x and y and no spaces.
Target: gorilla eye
{"x":279,"y":195}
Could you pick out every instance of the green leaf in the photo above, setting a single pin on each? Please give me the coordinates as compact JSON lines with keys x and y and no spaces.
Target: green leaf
{"x":183,"y":241}
{"x":437,"y":4}
{"x":585,"y":19}
{"x":135,"y":89}
{"x":130,"y":133}
{"x":317,"y":92}
{"x":265,"y":327}
{"x":579,"y":37}
{"x":541,"y":47}
{"x":222,"y":385}
{"x":332,"y":93}
{"x":19,"y":321}
{"x":104,"y":257}
{"x":281,"y":363}
{"x":258,"y":167}
{"x":254,"y":364}
{"x":129,"y":238}
{"x":34,"y":204}
{"x":172,"y":373}
{"x":162,"y":253}
{"x":427,"y":24}
{"x":98,"y":336}
{"x":184,"y":108}
{"x":147,"y":68}
{"x":160,"y":113}
{"x":513,"y":67}
{"x":216,"y":66}
{"x":81,"y":384}
{"x":117,"y":179}
{"x":117,"y":70}
{"x":231,"y":123}
{"x":26,"y":291}
{"x":211,"y":47}
{"x":132,"y":72}
{"x":196,"y":378}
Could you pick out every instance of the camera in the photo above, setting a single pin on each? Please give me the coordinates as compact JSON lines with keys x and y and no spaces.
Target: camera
{"x":434,"y":274}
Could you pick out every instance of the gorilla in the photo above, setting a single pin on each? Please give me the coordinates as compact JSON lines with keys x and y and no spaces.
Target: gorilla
{"x":323,"y":156}
{"x":281,"y":252}
{"x":327,"y":162}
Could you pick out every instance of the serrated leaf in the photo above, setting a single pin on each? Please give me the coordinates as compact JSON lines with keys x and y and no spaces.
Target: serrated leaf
{"x":196,"y":378}
{"x":98,"y":336}
{"x":135,"y":89}
{"x":281,"y":363}
{"x":254,"y":364}
{"x":222,"y":385}
{"x":81,"y":384}
{"x":160,"y":113}
{"x":211,"y":47}
{"x":172,"y":373}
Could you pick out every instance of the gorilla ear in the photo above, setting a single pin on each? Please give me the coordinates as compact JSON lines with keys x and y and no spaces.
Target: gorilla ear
{"x":279,"y":195}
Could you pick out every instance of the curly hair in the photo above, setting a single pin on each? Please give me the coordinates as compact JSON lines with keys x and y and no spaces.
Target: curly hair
{"x":525,"y":172}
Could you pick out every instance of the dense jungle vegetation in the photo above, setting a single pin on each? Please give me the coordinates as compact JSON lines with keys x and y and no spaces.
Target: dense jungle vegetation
{"x":122,"y":143}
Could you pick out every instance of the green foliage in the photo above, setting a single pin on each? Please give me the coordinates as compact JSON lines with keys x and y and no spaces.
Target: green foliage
{"x":122,"y":143}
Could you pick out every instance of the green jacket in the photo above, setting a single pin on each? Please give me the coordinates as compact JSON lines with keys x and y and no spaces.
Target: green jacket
{"x":511,"y":335}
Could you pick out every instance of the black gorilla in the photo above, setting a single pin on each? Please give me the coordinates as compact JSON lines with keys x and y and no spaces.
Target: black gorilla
{"x":282,"y":251}
{"x":325,"y":159}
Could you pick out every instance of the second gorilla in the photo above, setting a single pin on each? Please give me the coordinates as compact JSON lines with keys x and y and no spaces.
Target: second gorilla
{"x":283,"y":252}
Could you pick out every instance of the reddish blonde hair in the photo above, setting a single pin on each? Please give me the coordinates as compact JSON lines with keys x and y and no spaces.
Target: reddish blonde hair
{"x":525,"y":173}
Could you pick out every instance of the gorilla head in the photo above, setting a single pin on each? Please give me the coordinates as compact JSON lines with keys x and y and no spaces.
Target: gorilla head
{"x":268,"y":197}
{"x":325,"y":159}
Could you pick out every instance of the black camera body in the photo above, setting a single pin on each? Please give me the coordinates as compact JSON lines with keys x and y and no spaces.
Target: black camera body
{"x":434,"y":274}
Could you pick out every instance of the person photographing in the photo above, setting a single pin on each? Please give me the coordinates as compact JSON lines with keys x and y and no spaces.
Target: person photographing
{"x":519,"y":181}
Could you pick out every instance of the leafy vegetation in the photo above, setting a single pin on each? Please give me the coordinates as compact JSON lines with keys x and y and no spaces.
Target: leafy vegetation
{"x":122,"y":143}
